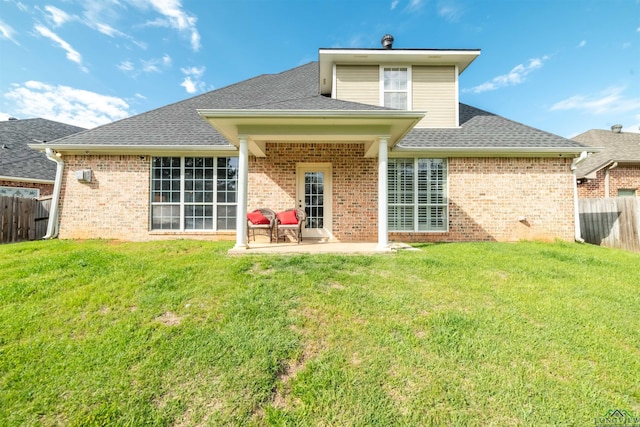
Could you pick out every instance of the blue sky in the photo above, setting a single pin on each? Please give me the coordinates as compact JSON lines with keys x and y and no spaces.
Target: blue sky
{"x":564,"y":66}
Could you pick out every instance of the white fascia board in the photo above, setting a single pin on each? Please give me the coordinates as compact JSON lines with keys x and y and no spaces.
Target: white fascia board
{"x":135,"y":149}
{"x":568,"y":152}
{"x":29,"y":180}
{"x":349,"y":114}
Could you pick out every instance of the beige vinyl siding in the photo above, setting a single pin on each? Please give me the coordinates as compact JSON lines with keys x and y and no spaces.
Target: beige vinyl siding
{"x":434,"y":91}
{"x":358,"y":83}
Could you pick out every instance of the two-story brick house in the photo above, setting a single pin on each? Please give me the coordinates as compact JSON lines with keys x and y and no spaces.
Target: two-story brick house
{"x":373,"y":144}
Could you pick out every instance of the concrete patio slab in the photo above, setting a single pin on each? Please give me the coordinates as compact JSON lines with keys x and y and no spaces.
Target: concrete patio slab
{"x":318,"y":247}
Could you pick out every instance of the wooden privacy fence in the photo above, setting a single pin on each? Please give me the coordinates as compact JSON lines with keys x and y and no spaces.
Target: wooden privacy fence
{"x":612,"y":222}
{"x":23,"y":219}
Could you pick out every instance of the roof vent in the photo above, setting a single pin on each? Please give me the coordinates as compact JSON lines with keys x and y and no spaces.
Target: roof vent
{"x":387,"y":41}
{"x":616,"y":128}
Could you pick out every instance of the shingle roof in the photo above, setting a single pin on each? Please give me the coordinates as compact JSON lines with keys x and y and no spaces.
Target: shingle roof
{"x":481,"y":129}
{"x":617,"y":147}
{"x":17,"y":160}
{"x":297,"y":89}
{"x":180,"y":124}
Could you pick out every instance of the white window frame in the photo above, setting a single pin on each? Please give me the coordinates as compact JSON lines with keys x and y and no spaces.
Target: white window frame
{"x":182,"y":204}
{"x":409,"y":84}
{"x":415,"y":203}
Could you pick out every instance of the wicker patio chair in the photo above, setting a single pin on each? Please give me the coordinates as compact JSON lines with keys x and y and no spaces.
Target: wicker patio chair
{"x":259,"y":224}
{"x":281,"y":229}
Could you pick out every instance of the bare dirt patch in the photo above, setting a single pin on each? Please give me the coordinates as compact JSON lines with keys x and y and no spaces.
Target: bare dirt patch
{"x":169,"y":319}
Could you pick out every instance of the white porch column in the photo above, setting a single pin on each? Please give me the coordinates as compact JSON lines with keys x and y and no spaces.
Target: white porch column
{"x":243,"y":178}
{"x":383,"y":160}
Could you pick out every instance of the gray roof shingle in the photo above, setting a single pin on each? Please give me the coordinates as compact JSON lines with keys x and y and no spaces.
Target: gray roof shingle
{"x":297,"y":89}
{"x":481,"y":129}
{"x":17,"y":160}
{"x":623,"y":147}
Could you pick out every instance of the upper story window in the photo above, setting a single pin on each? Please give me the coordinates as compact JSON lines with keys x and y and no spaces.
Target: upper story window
{"x":396,"y":87}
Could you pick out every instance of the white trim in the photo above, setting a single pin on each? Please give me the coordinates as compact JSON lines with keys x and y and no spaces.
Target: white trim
{"x":456,"y":77}
{"x":243,"y":178}
{"x":383,"y":205}
{"x":568,"y":152}
{"x":334,"y":82}
{"x":29,"y":180}
{"x":151,"y":150}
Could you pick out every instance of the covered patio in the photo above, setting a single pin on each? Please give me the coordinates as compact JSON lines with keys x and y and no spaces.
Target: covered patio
{"x":253,"y":132}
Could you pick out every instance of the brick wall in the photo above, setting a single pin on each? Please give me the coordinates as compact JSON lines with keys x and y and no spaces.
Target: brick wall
{"x":45,"y":189}
{"x":114,"y":205}
{"x":272,"y":184}
{"x":488,"y":196}
{"x":625,"y":177}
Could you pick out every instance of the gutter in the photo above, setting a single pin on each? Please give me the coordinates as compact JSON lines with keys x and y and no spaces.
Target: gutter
{"x":576,"y":207}
{"x":52,"y":226}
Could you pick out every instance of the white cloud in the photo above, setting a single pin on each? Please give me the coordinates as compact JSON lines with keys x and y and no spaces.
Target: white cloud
{"x":449,"y":11}
{"x":125,"y":66}
{"x":188,"y":85}
{"x":514,"y":77}
{"x":58,"y":17}
{"x":154,"y":65}
{"x":610,"y":100}
{"x":415,"y":5}
{"x":394,"y":4}
{"x":192,"y":82}
{"x":197,"y":72}
{"x":583,"y":43}
{"x":72,"y":54}
{"x":66,"y":104}
{"x":173,"y":17}
{"x":6,"y":32}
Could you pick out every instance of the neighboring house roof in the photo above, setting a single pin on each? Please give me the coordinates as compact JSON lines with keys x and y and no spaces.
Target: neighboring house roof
{"x":179,"y":124}
{"x":17,"y":160}
{"x":623,"y":147}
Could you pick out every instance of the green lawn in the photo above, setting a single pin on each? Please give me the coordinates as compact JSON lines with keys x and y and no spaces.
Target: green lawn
{"x":179,"y":333}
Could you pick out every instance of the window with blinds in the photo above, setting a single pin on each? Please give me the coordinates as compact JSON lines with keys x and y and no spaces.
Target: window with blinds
{"x":417,"y":195}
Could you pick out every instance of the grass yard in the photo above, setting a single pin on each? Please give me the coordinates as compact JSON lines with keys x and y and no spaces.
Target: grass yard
{"x":179,"y":334}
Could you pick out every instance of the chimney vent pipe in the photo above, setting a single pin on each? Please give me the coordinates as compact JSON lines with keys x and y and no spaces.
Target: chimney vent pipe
{"x":387,"y":41}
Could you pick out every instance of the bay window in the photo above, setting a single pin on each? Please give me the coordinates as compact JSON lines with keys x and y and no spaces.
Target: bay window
{"x":417,"y":195}
{"x":194,"y":193}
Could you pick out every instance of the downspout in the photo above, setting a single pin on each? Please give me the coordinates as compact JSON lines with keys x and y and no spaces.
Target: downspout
{"x":52,"y":225}
{"x":607,"y":180}
{"x":576,"y":207}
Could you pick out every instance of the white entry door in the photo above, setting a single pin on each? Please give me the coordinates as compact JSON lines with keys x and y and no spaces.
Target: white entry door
{"x":314,"y":196}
